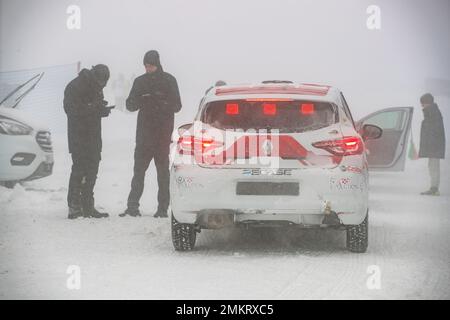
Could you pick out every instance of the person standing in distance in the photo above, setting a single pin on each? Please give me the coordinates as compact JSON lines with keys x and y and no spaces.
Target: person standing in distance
{"x":85,"y":107}
{"x":432,"y":141}
{"x":155,"y":94}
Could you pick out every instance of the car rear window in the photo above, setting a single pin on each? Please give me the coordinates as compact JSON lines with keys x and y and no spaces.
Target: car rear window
{"x":284,"y":115}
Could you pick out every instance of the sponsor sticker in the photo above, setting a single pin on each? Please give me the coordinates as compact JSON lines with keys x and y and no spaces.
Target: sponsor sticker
{"x":346,"y":184}
{"x":188,"y":182}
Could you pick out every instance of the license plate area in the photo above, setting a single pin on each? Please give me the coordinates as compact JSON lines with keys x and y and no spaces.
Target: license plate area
{"x":244,"y":188}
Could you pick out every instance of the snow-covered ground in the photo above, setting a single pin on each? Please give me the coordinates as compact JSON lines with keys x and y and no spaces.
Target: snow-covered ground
{"x":133,"y":257}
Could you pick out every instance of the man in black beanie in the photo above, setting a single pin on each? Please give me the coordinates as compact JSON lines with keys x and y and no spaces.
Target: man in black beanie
{"x":155,"y":94}
{"x":432,"y":141}
{"x":84,"y":106}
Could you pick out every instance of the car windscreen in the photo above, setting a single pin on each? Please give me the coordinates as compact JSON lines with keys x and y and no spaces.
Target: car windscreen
{"x":284,"y":115}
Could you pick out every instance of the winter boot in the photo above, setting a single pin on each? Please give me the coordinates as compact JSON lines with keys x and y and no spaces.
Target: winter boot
{"x":89,"y":210}
{"x":94,"y":213}
{"x":432,"y":192}
{"x":132,"y":212}
{"x":74,"y":202}
{"x":75,"y":212}
{"x":160,"y":213}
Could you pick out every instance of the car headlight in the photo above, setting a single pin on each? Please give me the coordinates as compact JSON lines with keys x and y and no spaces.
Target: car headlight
{"x":11,"y":127}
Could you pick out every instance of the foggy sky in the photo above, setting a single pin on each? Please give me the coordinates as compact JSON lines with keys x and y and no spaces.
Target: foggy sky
{"x":201,"y":41}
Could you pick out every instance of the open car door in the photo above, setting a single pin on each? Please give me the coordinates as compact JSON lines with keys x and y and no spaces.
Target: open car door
{"x":388,"y":153}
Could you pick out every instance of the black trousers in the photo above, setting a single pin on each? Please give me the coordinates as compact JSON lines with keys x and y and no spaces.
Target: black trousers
{"x":82,"y":179}
{"x":142,"y":158}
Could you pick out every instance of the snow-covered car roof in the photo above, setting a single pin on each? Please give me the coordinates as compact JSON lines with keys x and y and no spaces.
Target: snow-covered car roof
{"x":304,"y":91}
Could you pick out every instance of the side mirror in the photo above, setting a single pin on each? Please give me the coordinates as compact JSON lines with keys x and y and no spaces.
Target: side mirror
{"x":371,"y":132}
{"x":184,"y":128}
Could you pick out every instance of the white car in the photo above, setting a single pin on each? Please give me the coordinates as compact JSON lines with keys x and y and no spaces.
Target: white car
{"x":25,"y":148}
{"x":280,"y":153}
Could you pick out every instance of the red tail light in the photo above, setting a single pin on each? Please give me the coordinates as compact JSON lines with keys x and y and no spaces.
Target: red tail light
{"x":307,"y":108}
{"x":186,"y":145}
{"x":342,"y":147}
{"x":232,"y":108}
{"x":190,"y":145}
{"x":270,"y":109}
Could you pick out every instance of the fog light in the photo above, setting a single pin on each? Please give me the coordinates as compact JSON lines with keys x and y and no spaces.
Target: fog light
{"x":22,"y":159}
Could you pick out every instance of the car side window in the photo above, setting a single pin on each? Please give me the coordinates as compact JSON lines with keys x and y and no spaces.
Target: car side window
{"x":387,"y":120}
{"x":346,"y":109}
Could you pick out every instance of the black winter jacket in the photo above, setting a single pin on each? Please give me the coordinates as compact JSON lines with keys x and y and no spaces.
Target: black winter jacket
{"x":157,"y":98}
{"x":432,"y":134}
{"x":82,"y":99}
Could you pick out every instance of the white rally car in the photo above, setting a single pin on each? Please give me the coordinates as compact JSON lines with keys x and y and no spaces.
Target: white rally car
{"x":281,"y":153}
{"x":26,"y":151}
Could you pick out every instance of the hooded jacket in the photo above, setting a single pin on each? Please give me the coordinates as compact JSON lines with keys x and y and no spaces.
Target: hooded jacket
{"x":82,"y":98}
{"x":432,"y":134}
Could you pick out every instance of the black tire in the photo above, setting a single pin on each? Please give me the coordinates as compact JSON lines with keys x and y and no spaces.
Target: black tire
{"x":358,"y":236}
{"x":8,"y":184}
{"x":183,"y":235}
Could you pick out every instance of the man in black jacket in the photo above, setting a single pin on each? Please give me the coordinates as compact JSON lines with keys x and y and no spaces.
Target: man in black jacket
{"x":432,"y":141}
{"x":84,"y":106}
{"x":155,"y":94}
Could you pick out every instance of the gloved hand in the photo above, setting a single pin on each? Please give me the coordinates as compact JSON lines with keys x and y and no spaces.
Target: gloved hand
{"x":152,"y":99}
{"x":133,"y":107}
{"x":99,"y":107}
{"x":104,"y":112}
{"x":98,"y":104}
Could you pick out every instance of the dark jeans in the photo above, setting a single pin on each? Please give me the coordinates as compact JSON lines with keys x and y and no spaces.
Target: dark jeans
{"x":82,"y":180}
{"x":142,"y":158}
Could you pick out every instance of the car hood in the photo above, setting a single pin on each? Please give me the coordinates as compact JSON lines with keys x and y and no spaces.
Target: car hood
{"x":24,"y":117}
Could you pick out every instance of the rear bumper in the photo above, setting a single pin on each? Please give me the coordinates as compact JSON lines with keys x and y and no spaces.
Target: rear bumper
{"x":197,"y":191}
